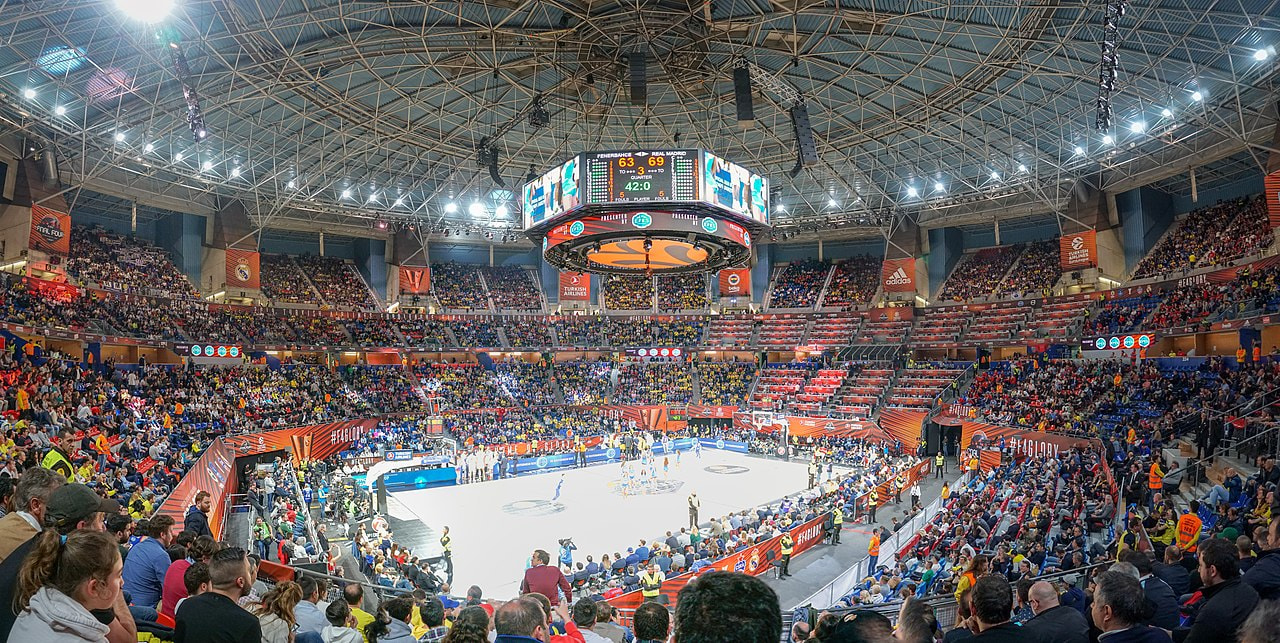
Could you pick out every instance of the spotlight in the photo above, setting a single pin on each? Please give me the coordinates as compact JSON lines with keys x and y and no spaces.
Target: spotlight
{"x":206,"y":166}
{"x":1107,"y":140}
{"x":1138,"y":127}
{"x":1079,"y":150}
{"x":382,"y":225}
{"x":177,"y":158}
{"x":28,"y":93}
{"x":995,"y":176}
{"x":346,"y":194}
{"x":501,"y":211}
{"x":912,"y":191}
{"x":60,"y":110}
{"x":291,"y":184}
{"x":831,"y":203}
{"x":1166,"y":112}
{"x":939,"y":187}
{"x":148,"y":148}
{"x":146,"y":10}
{"x":1022,"y":167}
{"x":399,"y":201}
{"x":235,"y":171}
{"x":476,"y":209}
{"x":119,"y":137}
{"x":451,"y":207}
{"x":781,"y":208}
{"x":201,"y":133}
{"x":1261,"y":55}
{"x":1197,"y":96}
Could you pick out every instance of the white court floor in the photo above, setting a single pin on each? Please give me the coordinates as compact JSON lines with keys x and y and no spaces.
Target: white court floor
{"x":496,"y":525}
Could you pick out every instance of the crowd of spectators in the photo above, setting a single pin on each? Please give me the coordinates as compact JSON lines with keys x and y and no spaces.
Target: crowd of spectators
{"x":1120,"y":315}
{"x":525,"y":332}
{"x":628,"y":292}
{"x":373,"y":331}
{"x":425,"y":332}
{"x":799,"y":284}
{"x":458,"y":287}
{"x":978,"y":274}
{"x":528,"y":383}
{"x":125,"y":264}
{"x":461,"y":386}
{"x":1039,"y":268}
{"x":655,"y":382}
{"x":682,"y":292}
{"x":283,"y":282}
{"x":476,"y":333}
{"x":725,"y":383}
{"x":512,"y":288}
{"x":853,"y":283}
{"x":678,"y":332}
{"x":584,"y":382}
{"x":1210,"y":236}
{"x":338,"y":282}
{"x":388,"y":389}
{"x":580,"y":330}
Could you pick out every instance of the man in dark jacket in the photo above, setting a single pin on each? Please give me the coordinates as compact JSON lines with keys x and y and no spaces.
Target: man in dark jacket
{"x":1173,"y":572}
{"x":197,"y":519}
{"x":992,"y":603}
{"x":1227,"y":600}
{"x":1118,"y":606}
{"x":1158,"y":593}
{"x":1053,"y":622}
{"x":1264,"y":575}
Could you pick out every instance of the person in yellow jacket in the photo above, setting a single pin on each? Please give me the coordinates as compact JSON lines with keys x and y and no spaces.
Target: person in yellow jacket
{"x":788,"y":545}
{"x":872,"y":500}
{"x":651,"y":583}
{"x":837,"y":524}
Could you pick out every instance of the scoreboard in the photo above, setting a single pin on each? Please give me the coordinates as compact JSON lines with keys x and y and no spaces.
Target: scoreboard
{"x":669,"y":179}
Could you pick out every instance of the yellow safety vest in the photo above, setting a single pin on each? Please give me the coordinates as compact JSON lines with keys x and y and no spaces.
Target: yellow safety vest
{"x":650,"y":584}
{"x":446,"y":541}
{"x":874,"y":497}
{"x":939,"y":461}
{"x":58,"y":463}
{"x":787,"y":544}
{"x":837,"y":517}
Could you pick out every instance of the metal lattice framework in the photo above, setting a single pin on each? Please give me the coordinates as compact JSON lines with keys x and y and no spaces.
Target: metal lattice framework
{"x":335,"y":115}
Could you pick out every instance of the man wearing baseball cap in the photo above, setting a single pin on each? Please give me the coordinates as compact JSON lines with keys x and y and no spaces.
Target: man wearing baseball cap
{"x":70,"y":507}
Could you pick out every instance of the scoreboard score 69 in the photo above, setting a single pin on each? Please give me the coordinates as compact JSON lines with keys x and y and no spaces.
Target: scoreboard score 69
{"x":622,"y":177}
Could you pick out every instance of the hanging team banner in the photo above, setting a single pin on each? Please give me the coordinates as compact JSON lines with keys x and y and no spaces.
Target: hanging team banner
{"x":50,"y":231}
{"x":575,"y":286}
{"x":1078,"y":250}
{"x":898,"y":275}
{"x":415,"y":281}
{"x":1272,"y":188}
{"x":735,"y":283}
{"x":242,"y":269}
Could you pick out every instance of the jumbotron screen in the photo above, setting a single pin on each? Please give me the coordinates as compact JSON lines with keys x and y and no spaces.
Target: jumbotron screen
{"x":667,"y":177}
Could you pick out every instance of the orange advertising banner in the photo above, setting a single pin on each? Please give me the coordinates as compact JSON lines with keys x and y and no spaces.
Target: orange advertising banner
{"x":415,"y":281}
{"x":898,"y":275}
{"x":735,"y":283}
{"x":575,"y":286}
{"x":1078,"y":250}
{"x":1272,"y":188}
{"x":242,"y":269}
{"x":50,"y":231}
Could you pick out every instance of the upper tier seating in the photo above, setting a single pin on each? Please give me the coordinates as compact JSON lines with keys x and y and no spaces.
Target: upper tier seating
{"x":628,"y":292}
{"x":978,"y":274}
{"x":512,"y":288}
{"x":338,"y":282}
{"x":853,"y":283}
{"x":125,"y":264}
{"x":1211,"y":236}
{"x":1038,"y":269}
{"x":458,"y":286}
{"x":283,"y":282}
{"x":799,"y":284}
{"x":682,"y":292}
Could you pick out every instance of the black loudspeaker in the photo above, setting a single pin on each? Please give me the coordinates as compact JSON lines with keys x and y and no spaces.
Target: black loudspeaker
{"x":381,"y":496}
{"x":742,"y":96}
{"x":807,"y":149}
{"x":639,"y":78}
{"x":493,"y":168}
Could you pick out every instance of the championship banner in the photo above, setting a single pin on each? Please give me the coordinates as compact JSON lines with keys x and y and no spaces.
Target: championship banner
{"x":50,"y":231}
{"x":1032,"y":443}
{"x":754,"y":560}
{"x":1078,"y":250}
{"x":898,"y":275}
{"x":575,"y":286}
{"x":735,"y":283}
{"x":1272,"y":189}
{"x":415,"y":281}
{"x":904,"y":425}
{"x":213,"y":473}
{"x":242,"y":269}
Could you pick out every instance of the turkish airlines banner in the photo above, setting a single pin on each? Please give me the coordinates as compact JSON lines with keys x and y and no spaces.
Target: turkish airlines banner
{"x":1272,"y":183}
{"x":415,"y":281}
{"x":50,"y":231}
{"x":575,"y":286}
{"x":1078,"y":250}
{"x":735,"y":283}
{"x":898,"y":275}
{"x":242,"y":269}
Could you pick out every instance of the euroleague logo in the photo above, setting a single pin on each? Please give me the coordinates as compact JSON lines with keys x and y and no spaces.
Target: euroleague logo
{"x":1077,"y":243}
{"x":50,"y":229}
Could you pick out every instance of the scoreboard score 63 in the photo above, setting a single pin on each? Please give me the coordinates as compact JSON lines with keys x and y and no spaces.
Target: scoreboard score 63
{"x":620,"y":177}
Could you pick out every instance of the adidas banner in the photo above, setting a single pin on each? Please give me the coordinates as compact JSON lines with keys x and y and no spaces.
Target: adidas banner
{"x":898,"y":275}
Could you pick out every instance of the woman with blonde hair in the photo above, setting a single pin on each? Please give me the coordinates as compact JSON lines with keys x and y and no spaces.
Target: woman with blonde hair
{"x":275,"y":612}
{"x":62,"y":581}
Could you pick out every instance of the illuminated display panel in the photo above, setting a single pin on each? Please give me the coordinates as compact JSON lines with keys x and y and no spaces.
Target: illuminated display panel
{"x":735,"y":188}
{"x":553,"y":193}
{"x":640,"y":176}
{"x":639,"y":222}
{"x":662,"y":255}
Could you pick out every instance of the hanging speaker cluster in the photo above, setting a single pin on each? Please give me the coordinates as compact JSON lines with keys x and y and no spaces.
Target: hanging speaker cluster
{"x":806,"y":149}
{"x":636,"y":62}
{"x":742,"y":96}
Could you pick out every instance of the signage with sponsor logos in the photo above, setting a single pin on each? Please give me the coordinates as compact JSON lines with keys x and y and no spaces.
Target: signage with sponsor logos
{"x":1130,"y":341}
{"x":1078,"y":250}
{"x":399,"y":455}
{"x":735,"y":282}
{"x":214,"y":351}
{"x":242,"y":268}
{"x":415,"y":281}
{"x":651,"y":353}
{"x":50,"y":231}
{"x":898,"y":275}
{"x":575,"y":286}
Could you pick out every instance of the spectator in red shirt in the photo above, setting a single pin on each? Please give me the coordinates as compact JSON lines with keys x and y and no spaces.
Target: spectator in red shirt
{"x":546,"y":580}
{"x":174,"y":589}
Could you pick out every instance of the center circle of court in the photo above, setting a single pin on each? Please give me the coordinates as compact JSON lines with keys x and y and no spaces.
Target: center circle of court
{"x":726,"y":469}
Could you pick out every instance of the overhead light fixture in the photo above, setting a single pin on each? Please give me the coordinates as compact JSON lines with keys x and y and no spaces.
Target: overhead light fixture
{"x":502,"y":211}
{"x":912,"y":191}
{"x":346,"y":194}
{"x":939,"y":187}
{"x":1261,"y":55}
{"x":60,"y":110}
{"x":781,"y":208}
{"x":399,"y":201}
{"x":291,"y":184}
{"x":382,"y":225}
{"x":148,"y":148}
{"x":1107,"y":140}
{"x":1166,"y":112}
{"x":831,"y":203}
{"x":1022,"y":167}
{"x":1138,"y":127}
{"x":119,"y":137}
{"x":28,"y":93}
{"x":146,"y":10}
{"x":177,"y":158}
{"x":206,"y":166}
{"x":235,"y":171}
{"x":1079,"y":150}
{"x":373,"y":197}
{"x":995,"y":176}
{"x":475,"y":209}
{"x":1197,"y":96}
{"x":451,"y":207}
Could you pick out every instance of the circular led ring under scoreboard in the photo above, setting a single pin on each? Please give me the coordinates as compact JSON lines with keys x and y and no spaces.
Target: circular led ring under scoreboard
{"x":636,"y":240}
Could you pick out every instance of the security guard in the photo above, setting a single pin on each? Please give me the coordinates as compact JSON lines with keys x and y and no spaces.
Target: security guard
{"x":1155,"y":481}
{"x":446,"y":542}
{"x":939,"y":465}
{"x":651,"y":584}
{"x":873,"y":552}
{"x":788,"y":545}
{"x":872,"y":501}
{"x":837,"y":523}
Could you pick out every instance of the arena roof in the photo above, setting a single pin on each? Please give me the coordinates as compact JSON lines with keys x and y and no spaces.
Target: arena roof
{"x":385,"y":102}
